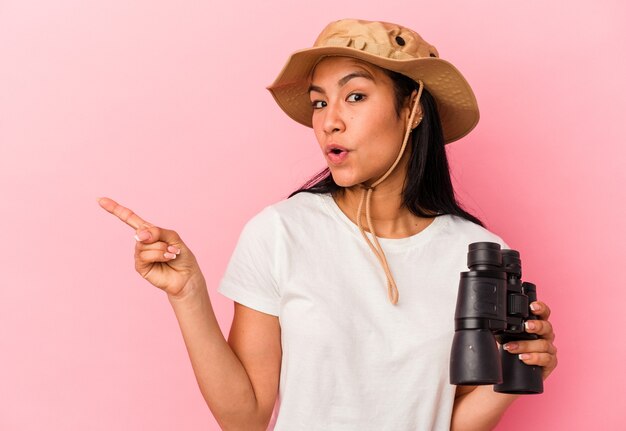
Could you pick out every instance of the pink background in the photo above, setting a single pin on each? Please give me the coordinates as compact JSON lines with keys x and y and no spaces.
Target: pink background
{"x":162,"y":106}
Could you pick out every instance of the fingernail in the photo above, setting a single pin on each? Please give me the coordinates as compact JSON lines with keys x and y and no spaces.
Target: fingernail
{"x":173,"y":249}
{"x":523,"y":356}
{"x":143,"y":235}
{"x":534,"y":307}
{"x":510,"y":346}
{"x":169,"y":255}
{"x":529,"y":324}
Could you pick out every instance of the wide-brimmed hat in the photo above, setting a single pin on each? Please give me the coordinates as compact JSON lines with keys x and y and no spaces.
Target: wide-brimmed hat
{"x":389,"y":46}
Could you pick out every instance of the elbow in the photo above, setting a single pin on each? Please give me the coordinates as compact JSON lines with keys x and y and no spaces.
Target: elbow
{"x":244,"y":426}
{"x":240,"y":422}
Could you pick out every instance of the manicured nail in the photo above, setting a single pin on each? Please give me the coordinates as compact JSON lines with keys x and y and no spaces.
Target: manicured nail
{"x":523,"y":356}
{"x":169,"y":255}
{"x":143,"y":235}
{"x":529,"y":324}
{"x":534,"y":307}
{"x":510,"y":346}
{"x":173,"y":249}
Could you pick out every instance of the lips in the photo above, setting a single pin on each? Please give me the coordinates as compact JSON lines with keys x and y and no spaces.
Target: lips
{"x":336,"y":153}
{"x":335,"y":149}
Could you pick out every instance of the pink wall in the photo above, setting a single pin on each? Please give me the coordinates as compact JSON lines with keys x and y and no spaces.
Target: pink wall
{"x":162,"y":106}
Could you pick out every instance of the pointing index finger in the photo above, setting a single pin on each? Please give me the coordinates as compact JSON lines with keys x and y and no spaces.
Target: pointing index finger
{"x":123,"y":213}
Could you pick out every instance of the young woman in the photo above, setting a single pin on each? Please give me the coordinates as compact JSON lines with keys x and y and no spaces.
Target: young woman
{"x":345,"y":292}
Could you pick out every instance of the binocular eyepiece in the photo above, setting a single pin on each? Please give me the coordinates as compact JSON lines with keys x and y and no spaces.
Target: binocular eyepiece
{"x":493,"y":304}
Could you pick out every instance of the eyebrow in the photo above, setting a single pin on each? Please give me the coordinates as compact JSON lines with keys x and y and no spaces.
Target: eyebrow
{"x":343,"y":81}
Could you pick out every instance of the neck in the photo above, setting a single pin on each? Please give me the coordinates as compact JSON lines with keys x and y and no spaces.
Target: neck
{"x":390,"y":218}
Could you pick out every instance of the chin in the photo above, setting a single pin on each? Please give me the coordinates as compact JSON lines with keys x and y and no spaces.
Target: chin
{"x":341,"y":183}
{"x":342,"y":180}
{"x":351,"y":180}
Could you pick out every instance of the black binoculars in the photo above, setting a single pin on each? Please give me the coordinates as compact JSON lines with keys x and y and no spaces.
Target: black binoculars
{"x":493,"y":304}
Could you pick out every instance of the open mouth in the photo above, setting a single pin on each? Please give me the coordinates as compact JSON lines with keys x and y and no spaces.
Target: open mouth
{"x":337,"y":155}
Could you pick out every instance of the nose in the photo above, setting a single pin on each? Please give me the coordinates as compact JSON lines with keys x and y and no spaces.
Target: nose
{"x":333,"y":120}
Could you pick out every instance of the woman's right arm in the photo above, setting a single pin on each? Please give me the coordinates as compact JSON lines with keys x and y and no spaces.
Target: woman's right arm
{"x":239,"y":378}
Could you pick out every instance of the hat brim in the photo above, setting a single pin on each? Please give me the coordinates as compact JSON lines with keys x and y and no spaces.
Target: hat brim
{"x":456,"y":103}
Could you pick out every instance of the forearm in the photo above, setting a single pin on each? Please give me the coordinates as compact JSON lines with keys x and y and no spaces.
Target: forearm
{"x":480,"y":410}
{"x":222,"y":379}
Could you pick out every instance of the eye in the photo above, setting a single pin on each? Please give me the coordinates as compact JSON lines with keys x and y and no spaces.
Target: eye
{"x":318,"y":104}
{"x":355,"y":97}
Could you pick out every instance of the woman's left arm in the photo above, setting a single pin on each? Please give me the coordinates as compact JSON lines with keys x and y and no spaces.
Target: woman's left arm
{"x":480,"y":408}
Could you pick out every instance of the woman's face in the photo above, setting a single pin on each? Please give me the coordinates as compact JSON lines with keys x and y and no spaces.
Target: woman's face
{"x":355,"y":120}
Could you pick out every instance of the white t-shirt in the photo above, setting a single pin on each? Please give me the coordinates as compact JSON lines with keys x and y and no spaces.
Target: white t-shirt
{"x":351,"y":359}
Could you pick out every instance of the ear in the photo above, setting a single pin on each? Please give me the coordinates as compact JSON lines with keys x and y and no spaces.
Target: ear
{"x":418,"y":110}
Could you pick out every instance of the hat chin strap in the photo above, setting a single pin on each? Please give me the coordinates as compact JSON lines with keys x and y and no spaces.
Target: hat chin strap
{"x":392,"y":289}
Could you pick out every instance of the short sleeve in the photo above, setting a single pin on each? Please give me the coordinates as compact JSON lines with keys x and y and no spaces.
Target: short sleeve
{"x":250,"y":277}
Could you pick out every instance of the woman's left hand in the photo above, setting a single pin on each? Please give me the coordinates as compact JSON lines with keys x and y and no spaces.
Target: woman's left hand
{"x":542,"y":351}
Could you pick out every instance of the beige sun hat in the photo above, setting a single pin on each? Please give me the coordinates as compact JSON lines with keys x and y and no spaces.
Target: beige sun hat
{"x":389,"y":46}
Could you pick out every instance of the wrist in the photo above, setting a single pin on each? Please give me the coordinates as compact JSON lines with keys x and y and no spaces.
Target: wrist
{"x":195,"y":284}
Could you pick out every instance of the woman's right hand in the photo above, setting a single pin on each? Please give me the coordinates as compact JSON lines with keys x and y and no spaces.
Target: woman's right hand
{"x":161,"y":257}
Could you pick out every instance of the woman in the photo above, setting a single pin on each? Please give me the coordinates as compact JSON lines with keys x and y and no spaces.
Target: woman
{"x":339,"y":325}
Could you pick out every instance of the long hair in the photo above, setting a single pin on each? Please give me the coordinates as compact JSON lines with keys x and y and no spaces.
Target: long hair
{"x":427,"y":187}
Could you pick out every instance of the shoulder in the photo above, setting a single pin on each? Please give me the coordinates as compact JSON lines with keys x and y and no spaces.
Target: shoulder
{"x":301,"y":209}
{"x":299,"y":204}
{"x":465,"y":231}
